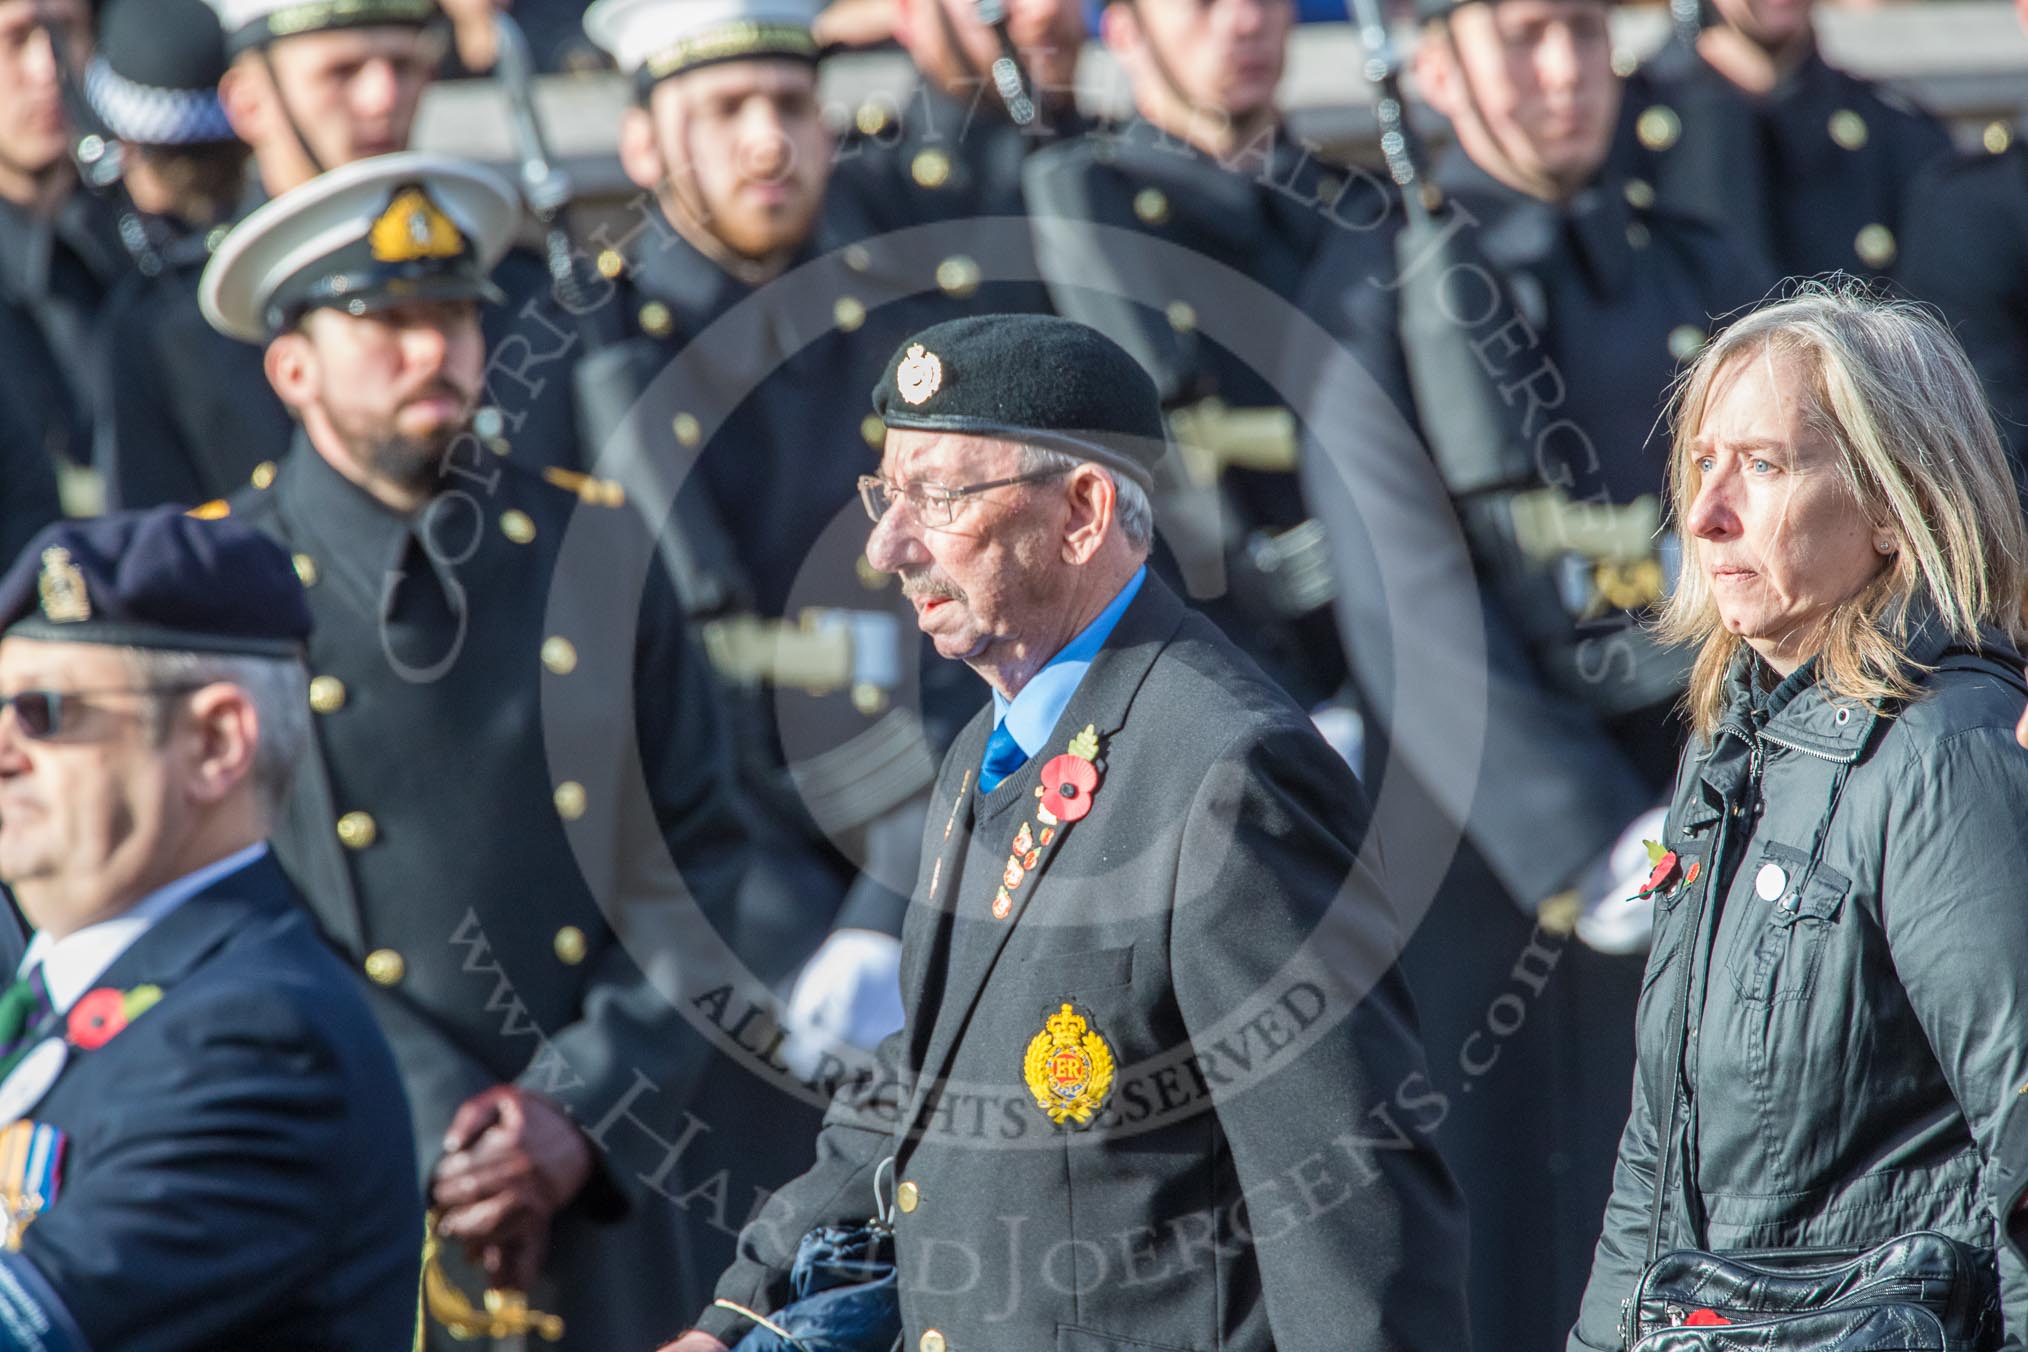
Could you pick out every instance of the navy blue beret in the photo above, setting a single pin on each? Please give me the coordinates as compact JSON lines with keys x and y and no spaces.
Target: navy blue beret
{"x":1036,"y":379}
{"x":157,"y":579}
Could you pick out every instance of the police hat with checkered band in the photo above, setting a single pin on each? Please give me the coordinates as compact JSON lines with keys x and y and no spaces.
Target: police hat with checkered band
{"x":390,"y":230}
{"x":652,"y":40}
{"x":153,"y":77}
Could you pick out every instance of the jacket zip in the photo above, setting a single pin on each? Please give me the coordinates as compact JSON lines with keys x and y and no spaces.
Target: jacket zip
{"x":1807,"y":751}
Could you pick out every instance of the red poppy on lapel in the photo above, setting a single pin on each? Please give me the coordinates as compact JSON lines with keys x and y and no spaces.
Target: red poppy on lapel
{"x":1068,"y":783}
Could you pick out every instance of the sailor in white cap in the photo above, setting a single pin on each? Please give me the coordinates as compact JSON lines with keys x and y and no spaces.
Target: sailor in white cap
{"x":446,"y":626}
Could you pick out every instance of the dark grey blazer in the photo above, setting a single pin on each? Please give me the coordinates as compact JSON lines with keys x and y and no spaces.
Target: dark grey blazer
{"x":1255,"y":1177}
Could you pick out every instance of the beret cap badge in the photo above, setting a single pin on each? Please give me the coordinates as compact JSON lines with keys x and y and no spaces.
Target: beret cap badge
{"x":415,"y":227}
{"x":62,"y":587}
{"x":919,"y":376}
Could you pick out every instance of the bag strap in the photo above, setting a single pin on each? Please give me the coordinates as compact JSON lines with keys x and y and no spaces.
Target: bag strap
{"x":1679,"y":1016}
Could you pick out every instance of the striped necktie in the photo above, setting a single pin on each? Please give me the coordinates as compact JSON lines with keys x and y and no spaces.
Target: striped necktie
{"x":25,"y":1010}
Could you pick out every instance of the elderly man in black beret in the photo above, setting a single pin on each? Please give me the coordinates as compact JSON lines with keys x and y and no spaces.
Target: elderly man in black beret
{"x":189,"y":1082}
{"x":1159,"y":1079}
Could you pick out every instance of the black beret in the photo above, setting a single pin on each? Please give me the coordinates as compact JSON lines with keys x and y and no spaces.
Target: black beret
{"x":1030,"y":378}
{"x":157,"y":579}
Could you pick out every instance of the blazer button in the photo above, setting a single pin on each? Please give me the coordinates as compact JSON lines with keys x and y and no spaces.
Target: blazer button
{"x":384,"y":966}
{"x":327,"y":694}
{"x":932,"y":1341}
{"x":570,"y":945}
{"x":908,"y":1196}
{"x":357,"y":830}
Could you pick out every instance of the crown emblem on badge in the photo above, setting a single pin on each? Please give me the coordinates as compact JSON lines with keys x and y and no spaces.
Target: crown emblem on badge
{"x":920,"y":375}
{"x":62,"y":584}
{"x":1069,"y":1068}
{"x":414,"y":227}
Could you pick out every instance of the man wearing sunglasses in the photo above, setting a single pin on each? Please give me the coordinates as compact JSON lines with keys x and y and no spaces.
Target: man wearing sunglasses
{"x":187,"y":1076}
{"x":1156,"y":1050}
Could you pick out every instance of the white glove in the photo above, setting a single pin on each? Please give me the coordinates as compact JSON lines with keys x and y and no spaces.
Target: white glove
{"x":1615,"y":918}
{"x":849,"y":991}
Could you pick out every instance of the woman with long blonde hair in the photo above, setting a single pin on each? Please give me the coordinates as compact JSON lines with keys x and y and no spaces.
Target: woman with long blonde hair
{"x":1835,"y":1016}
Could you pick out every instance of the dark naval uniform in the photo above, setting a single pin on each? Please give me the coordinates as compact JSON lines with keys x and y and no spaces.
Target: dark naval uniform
{"x":1814,"y":175}
{"x":765,"y":390}
{"x":1247,"y":554}
{"x":28,"y":493}
{"x":1967,"y":254}
{"x":474,"y":875}
{"x":55,"y":271}
{"x":934,"y":160}
{"x":207,"y":1142}
{"x":1596,"y":303}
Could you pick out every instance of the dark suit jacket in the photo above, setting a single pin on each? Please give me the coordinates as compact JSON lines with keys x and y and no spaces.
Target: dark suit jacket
{"x":237,"y":1172}
{"x":1257,"y":1176}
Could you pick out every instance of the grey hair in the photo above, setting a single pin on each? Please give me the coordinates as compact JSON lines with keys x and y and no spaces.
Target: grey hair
{"x":1133,"y":511}
{"x":278,"y":689}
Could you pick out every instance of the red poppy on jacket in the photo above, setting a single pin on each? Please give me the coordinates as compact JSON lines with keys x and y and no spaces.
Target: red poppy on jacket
{"x":97,"y":1018}
{"x":1068,"y":783}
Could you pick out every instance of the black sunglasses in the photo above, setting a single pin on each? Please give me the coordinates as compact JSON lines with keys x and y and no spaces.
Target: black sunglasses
{"x":41,"y":713}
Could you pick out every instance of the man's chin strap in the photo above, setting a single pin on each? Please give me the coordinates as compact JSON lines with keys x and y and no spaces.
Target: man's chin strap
{"x":1165,"y":75}
{"x":695,"y":214}
{"x":317,"y":165}
{"x":1542,"y":187}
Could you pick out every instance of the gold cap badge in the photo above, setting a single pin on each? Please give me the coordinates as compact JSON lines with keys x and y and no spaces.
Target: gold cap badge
{"x":920,"y":375}
{"x":1069,"y":1068}
{"x":62,"y":584}
{"x":414,"y":227}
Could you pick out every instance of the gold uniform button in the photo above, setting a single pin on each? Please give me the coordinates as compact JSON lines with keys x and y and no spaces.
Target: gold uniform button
{"x":263,"y":475}
{"x":1640,"y":194}
{"x":958,"y":276}
{"x":932,"y":1341}
{"x":1625,"y":63}
{"x":1996,"y":138}
{"x":1685,"y":340}
{"x":1848,"y":129}
{"x":1637,"y":235}
{"x":908,"y":1196}
{"x":930,"y":168}
{"x":327,"y":694}
{"x":611,"y":264}
{"x":1875,"y":246}
{"x":570,"y":800}
{"x":870,"y":577}
{"x":559,"y":655}
{"x":849,"y":313}
{"x":570,"y":945}
{"x":688,"y":430}
{"x":1152,"y":206}
{"x":873,"y":431}
{"x":872,"y":118}
{"x":306,"y":569}
{"x":656,"y":321}
{"x":1658,"y":127}
{"x":357,"y":830}
{"x":517,"y":526}
{"x":385,"y":967}
{"x":856,"y":257}
{"x":1182,"y":316}
{"x":869,"y":699}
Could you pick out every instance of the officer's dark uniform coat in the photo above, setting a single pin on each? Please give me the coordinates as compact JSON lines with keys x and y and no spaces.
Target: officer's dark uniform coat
{"x":1611,"y":296}
{"x":1221,"y":851}
{"x":467,"y":838}
{"x":237,"y":1172}
{"x":1814,"y":176}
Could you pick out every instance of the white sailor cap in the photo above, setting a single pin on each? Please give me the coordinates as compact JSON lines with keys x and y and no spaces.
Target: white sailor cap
{"x":655,"y":39}
{"x":253,"y":23}
{"x":389,"y":230}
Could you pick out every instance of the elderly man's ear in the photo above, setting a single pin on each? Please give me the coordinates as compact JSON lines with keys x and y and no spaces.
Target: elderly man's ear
{"x":1094,"y":510}
{"x":215,"y":737}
